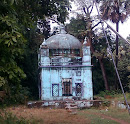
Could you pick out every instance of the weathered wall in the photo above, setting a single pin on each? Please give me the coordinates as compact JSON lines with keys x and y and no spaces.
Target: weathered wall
{"x":55,"y":75}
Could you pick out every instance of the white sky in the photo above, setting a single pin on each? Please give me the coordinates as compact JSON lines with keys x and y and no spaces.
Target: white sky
{"x":124,"y":28}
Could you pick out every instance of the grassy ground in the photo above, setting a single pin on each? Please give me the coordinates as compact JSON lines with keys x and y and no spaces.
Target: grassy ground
{"x":113,"y":96}
{"x":23,"y":115}
{"x":106,"y":116}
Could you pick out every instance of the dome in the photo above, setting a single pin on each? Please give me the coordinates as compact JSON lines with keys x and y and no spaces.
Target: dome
{"x":63,"y":41}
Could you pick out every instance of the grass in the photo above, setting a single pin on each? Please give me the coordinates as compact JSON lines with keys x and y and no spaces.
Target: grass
{"x":112,"y":95}
{"x":95,"y":118}
{"x":120,"y":97}
{"x":117,"y":113}
{"x":111,"y":112}
{"x":24,"y":115}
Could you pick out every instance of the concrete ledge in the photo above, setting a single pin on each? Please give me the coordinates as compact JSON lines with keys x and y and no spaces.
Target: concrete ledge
{"x":62,"y":104}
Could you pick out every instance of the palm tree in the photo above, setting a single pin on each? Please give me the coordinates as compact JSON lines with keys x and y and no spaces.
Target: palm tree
{"x":115,"y":11}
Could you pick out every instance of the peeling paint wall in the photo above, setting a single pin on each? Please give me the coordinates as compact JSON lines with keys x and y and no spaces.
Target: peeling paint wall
{"x":52,"y":76}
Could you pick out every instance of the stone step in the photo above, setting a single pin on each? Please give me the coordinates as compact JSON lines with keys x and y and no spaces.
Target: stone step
{"x":69,"y":101}
{"x":70,"y":104}
{"x":75,"y":107}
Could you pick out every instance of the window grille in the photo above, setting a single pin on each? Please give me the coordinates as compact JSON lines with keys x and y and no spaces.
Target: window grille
{"x":55,"y":90}
{"x":78,"y":89}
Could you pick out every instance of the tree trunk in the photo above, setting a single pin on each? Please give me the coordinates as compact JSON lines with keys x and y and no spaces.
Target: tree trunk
{"x":117,"y":39}
{"x":100,"y":61}
{"x":89,"y":34}
{"x":117,"y":29}
{"x":101,"y":65}
{"x":103,"y":73}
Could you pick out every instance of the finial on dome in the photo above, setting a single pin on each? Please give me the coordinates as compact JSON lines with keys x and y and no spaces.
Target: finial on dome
{"x":44,"y":44}
{"x":85,"y":41}
{"x":62,"y":29}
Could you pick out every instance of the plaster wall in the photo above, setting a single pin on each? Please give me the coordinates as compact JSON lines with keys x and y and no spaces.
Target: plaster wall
{"x":55,"y":75}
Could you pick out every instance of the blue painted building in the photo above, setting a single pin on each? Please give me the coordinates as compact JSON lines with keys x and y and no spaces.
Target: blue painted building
{"x":65,"y":68}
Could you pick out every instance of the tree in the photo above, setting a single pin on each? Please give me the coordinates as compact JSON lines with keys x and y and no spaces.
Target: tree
{"x":12,"y":45}
{"x":124,"y":64}
{"x":116,"y":11}
{"x":18,"y":43}
{"x":77,"y":27}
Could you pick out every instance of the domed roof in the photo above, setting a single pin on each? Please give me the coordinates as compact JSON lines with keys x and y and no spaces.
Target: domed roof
{"x":63,"y":41}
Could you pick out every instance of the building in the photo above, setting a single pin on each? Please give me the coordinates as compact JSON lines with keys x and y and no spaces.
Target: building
{"x":65,"y":68}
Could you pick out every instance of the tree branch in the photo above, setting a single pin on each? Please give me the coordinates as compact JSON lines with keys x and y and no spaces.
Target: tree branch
{"x":84,"y":10}
{"x":59,"y":23}
{"x":96,"y":25}
{"x":91,"y":10}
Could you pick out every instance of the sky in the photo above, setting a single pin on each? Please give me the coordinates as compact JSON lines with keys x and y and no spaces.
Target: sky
{"x":124,"y":28}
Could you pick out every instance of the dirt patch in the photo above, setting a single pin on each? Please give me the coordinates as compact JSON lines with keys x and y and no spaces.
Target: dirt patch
{"x":48,"y":116}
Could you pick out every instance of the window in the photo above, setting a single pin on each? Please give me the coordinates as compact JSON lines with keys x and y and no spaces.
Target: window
{"x":55,"y":90}
{"x":67,"y":87}
{"x":77,"y":52}
{"x":78,"y":89}
{"x":78,"y":73}
{"x":56,"y":61}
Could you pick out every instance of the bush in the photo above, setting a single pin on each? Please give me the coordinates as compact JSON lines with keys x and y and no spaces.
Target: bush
{"x":9,"y":118}
{"x":16,"y":96}
{"x":109,"y":93}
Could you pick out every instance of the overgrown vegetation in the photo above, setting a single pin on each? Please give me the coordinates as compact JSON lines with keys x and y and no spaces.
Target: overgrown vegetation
{"x":9,"y":118}
{"x":112,"y":95}
{"x":19,"y":41}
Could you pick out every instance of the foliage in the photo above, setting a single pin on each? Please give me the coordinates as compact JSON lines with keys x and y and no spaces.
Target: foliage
{"x":11,"y":47}
{"x":17,"y":95}
{"x":115,"y":10}
{"x":9,"y":118}
{"x":30,"y":62}
{"x":102,"y":51}
{"x":2,"y":81}
{"x":77,"y":27}
{"x":98,"y":82}
{"x":124,"y":64}
{"x":110,"y":93}
{"x":19,"y":42}
{"x":113,"y":95}
{"x":21,"y":96}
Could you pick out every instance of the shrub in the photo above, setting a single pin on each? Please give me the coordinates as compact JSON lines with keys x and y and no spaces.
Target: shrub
{"x":110,"y":93}
{"x":9,"y":118}
{"x":16,"y":96}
